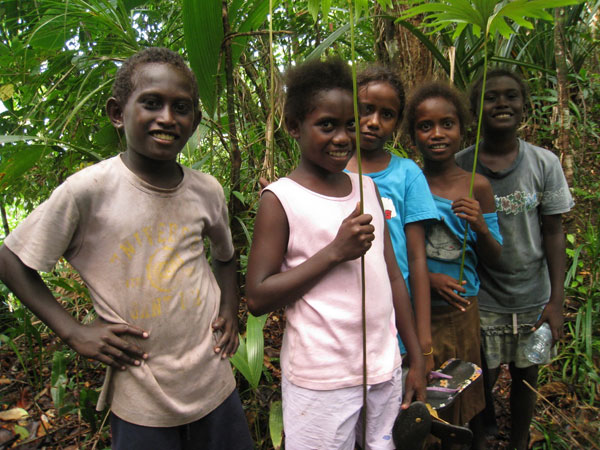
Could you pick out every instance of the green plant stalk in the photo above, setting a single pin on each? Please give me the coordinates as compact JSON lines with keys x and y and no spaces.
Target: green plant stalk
{"x":271,"y":125}
{"x":362,"y":259}
{"x":477,"y":143}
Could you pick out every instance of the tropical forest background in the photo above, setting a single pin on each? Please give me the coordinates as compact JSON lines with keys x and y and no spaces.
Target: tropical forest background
{"x":57,"y":63}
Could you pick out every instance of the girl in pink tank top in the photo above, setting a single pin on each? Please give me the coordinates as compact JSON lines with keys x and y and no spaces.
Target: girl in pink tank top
{"x":309,"y":236}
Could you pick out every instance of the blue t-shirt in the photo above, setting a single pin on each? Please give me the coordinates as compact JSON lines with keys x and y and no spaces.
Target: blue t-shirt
{"x":443,"y":244}
{"x":406,"y":198}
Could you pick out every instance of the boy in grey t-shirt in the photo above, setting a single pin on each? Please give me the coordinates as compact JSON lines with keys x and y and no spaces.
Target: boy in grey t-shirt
{"x":133,"y":226}
{"x":524,"y":288}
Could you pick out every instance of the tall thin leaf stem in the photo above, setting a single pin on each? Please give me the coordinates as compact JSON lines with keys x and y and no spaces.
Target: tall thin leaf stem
{"x":477,"y":143}
{"x":362,"y":259}
{"x":271,"y":125}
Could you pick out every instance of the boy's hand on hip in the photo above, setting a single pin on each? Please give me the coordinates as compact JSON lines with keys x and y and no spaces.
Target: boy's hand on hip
{"x":226,"y":331}
{"x":102,"y":341}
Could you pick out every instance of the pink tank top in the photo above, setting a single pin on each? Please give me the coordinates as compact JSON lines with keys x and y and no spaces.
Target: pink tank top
{"x":322,"y":344}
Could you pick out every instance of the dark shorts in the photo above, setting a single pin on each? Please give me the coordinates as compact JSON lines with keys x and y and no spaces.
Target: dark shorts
{"x":225,"y":428}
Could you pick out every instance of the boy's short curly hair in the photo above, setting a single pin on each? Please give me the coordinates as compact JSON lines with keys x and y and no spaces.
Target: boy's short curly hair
{"x":306,"y":80}
{"x":475,"y":91}
{"x":379,"y":73}
{"x":435,"y":89}
{"x":124,"y":83}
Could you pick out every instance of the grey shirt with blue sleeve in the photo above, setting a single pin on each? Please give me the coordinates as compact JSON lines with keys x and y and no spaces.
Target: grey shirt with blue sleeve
{"x":533,"y":186}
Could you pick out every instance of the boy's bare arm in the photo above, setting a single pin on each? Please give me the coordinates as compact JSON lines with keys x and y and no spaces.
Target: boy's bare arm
{"x":99,"y":340}
{"x":268,"y":288}
{"x":419,"y":283}
{"x":554,"y":248}
{"x":227,"y":321}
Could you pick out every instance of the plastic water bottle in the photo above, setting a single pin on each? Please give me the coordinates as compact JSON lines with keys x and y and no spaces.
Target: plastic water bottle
{"x":538,"y":346}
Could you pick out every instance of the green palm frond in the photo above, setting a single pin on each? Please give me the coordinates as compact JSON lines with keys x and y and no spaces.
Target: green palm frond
{"x":489,"y":16}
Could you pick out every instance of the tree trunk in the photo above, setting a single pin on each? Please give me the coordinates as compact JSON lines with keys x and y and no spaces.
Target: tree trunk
{"x":398,"y":48}
{"x":235,"y":206}
{"x":4,"y":220}
{"x":562,"y":139}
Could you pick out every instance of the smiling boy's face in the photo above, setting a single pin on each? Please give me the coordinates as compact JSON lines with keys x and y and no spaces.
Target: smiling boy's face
{"x":159,"y":116}
{"x":502,"y":104}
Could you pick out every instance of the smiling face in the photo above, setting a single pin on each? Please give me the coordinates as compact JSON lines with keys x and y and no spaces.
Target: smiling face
{"x":502,"y":105}
{"x":379,"y":114}
{"x":159,"y":116}
{"x":326,"y":133}
{"x":437,"y":129}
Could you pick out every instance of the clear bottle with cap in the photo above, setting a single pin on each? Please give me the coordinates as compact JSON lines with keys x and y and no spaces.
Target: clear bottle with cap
{"x":537,"y":349}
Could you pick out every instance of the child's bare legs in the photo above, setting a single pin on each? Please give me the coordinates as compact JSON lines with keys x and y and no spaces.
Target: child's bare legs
{"x":476,"y":426}
{"x":486,"y":419}
{"x":522,"y":404}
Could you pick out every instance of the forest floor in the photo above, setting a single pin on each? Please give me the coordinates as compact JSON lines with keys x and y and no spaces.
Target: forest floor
{"x":30,"y":420}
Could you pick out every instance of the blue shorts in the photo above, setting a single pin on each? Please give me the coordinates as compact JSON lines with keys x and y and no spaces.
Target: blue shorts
{"x":225,"y":428}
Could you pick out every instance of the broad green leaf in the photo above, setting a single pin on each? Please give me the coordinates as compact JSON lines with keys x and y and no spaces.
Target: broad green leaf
{"x":276,"y":423}
{"x":131,"y":4}
{"x":240,"y":196}
{"x":255,"y":17}
{"x":385,"y":4}
{"x":57,"y":391}
{"x":481,"y":14}
{"x":361,"y":6}
{"x":240,"y":360}
{"x":21,"y":431}
{"x":15,"y":166}
{"x":245,"y":230}
{"x":255,"y":346}
{"x":248,"y":359}
{"x":325,"y":7}
{"x":107,"y":136}
{"x":51,"y":34}
{"x":203,"y":33}
{"x":314,"y":6}
{"x":59,"y":367}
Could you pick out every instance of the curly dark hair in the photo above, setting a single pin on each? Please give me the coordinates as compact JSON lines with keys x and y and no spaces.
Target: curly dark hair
{"x":124,"y":83}
{"x":379,"y":73}
{"x":435,"y":89}
{"x":308,"y":79}
{"x":475,"y":91}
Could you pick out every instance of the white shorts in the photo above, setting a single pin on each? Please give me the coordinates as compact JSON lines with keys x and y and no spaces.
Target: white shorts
{"x":331,"y":420}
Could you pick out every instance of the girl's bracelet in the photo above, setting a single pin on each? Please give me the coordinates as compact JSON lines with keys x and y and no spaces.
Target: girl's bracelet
{"x":430,"y":352}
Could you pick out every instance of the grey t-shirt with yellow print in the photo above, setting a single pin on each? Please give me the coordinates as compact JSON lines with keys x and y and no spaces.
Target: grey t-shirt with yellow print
{"x":140,"y":250}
